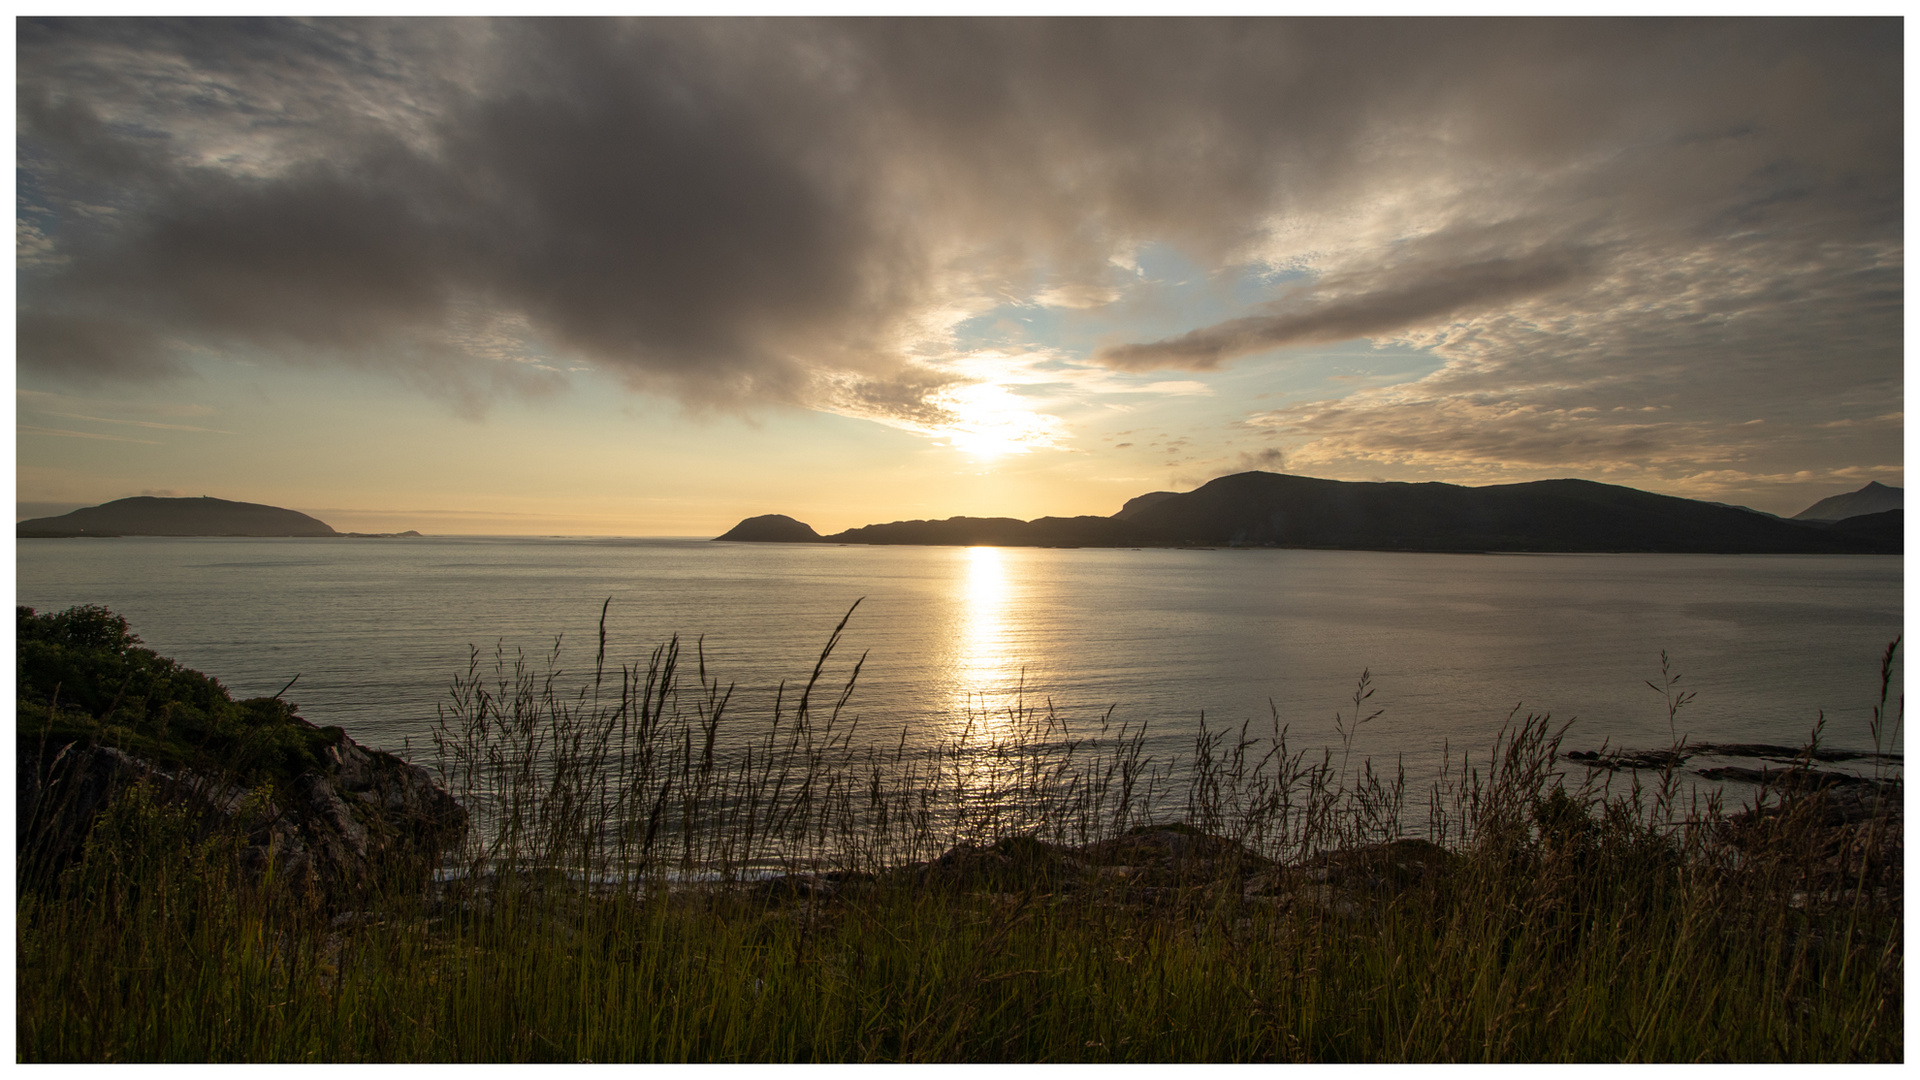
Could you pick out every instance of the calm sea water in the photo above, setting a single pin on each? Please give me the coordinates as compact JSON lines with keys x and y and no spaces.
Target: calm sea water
{"x":377,"y":629}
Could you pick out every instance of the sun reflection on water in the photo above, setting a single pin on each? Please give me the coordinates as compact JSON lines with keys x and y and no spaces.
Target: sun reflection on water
{"x":992,"y":747}
{"x":984,"y":667}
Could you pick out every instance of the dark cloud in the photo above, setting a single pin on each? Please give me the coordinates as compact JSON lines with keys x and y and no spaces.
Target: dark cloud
{"x":92,"y":348}
{"x":1267,"y":459}
{"x":738,"y":211}
{"x":1412,"y":298}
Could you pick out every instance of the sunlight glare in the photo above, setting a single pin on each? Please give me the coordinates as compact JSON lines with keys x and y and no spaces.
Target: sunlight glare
{"x":989,"y":422}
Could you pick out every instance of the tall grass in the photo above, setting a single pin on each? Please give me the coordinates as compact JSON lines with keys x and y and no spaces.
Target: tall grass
{"x":646,"y":882}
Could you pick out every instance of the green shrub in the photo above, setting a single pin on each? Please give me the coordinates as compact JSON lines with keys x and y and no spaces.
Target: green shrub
{"x":84,"y":676}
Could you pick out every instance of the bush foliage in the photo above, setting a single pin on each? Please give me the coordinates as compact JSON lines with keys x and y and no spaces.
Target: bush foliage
{"x":84,"y":675}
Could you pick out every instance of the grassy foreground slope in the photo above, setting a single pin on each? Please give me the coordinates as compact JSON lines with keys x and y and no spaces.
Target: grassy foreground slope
{"x":632,"y":893}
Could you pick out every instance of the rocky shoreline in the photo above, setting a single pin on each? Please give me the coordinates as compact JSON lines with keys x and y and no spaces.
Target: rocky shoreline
{"x":1773,"y":768}
{"x":362,"y":818}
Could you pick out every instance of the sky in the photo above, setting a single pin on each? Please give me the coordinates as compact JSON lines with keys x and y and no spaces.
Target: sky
{"x":647,"y":278}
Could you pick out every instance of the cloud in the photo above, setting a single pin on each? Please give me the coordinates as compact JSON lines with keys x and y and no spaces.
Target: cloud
{"x":1268,"y":459}
{"x":1413,"y":297}
{"x":91,"y":348}
{"x":1658,"y":368}
{"x":141,"y":423}
{"x":31,"y":248}
{"x":910,"y":399}
{"x":611,"y":194}
{"x":1704,"y":215}
{"x":32,"y":429}
{"x":1445,"y":434}
{"x":1177,"y":388}
{"x":1077,"y":295}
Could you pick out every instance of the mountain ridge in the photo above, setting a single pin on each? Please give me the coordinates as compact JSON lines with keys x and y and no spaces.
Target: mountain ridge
{"x":1874,"y":498}
{"x":1281,"y":510}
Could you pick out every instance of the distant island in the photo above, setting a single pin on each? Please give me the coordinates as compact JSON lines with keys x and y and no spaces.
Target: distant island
{"x":1260,"y":509}
{"x":148,"y":515}
{"x":772,"y":529}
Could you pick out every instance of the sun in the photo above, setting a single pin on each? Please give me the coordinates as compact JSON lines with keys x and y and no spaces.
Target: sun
{"x":988,"y":422}
{"x":982,"y":446}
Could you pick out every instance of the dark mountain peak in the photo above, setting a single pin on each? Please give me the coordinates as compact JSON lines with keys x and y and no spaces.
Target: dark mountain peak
{"x":1874,"y":498}
{"x":152,"y":515}
{"x":772,"y":529}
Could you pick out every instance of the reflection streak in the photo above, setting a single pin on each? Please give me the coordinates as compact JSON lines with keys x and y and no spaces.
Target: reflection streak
{"x":983,"y":664}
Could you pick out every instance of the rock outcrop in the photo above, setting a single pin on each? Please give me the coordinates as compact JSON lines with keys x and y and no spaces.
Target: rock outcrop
{"x":97,"y":713}
{"x":363,"y":820}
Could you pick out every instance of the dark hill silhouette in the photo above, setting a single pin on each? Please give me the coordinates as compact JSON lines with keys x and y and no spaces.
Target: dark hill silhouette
{"x":1270,"y":509}
{"x":1545,"y":515}
{"x":1875,"y":498}
{"x":1141,"y":502}
{"x":772,"y":529}
{"x":147,"y":515}
{"x":1886,"y":528}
